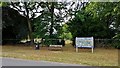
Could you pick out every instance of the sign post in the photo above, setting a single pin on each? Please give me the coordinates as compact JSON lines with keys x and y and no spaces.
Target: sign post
{"x":84,"y":42}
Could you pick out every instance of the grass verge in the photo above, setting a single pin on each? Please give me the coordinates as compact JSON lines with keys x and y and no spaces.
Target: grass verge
{"x":100,"y":57}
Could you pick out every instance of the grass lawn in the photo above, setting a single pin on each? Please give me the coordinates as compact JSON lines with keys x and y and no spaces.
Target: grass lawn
{"x":100,"y":57}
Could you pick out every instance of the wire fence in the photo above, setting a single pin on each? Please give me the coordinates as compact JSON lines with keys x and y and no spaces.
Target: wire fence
{"x":98,"y":43}
{"x":106,"y":43}
{"x":53,"y":42}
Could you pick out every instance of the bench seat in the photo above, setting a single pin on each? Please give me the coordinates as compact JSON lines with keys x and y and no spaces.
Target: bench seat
{"x":55,"y":47}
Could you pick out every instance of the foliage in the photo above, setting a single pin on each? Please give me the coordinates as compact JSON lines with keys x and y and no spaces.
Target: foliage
{"x":116,"y":36}
{"x":29,"y":10}
{"x":3,"y":4}
{"x":64,"y":20}
{"x":40,"y":28}
{"x":65,"y":33}
{"x":95,"y":19}
{"x":116,"y":44}
{"x":53,"y":19}
{"x":14,"y":26}
{"x":109,"y":15}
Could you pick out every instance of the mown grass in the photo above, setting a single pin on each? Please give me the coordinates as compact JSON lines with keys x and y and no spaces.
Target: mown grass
{"x":100,"y":57}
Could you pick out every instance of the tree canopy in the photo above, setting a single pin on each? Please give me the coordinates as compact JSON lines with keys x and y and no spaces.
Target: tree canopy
{"x":65,"y":20}
{"x":96,"y":19}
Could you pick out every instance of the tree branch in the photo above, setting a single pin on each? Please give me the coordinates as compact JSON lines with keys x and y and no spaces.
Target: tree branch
{"x":12,"y":4}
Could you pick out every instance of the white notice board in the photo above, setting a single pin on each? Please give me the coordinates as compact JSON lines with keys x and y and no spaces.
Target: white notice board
{"x":86,"y":42}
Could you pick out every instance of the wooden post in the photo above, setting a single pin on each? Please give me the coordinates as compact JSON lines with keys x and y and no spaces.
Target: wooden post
{"x":92,"y":49}
{"x":76,"y":49}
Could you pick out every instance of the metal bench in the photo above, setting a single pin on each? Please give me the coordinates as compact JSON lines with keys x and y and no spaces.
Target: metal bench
{"x":55,"y":47}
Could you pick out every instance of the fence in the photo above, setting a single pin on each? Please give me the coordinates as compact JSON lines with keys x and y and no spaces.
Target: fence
{"x":106,"y":43}
{"x":98,"y":43}
{"x":53,"y":42}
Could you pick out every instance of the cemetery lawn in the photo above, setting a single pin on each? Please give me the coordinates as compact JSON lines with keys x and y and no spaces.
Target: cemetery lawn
{"x":100,"y":57}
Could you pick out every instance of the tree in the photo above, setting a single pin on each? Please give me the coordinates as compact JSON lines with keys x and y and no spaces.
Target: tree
{"x":29,"y":10}
{"x":54,"y":16}
{"x":3,"y":4}
{"x":95,"y":19}
{"x":107,"y":14}
{"x":11,"y":30}
{"x":65,"y":33}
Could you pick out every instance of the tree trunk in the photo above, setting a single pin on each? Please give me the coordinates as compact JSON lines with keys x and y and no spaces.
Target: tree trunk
{"x":30,"y":31}
{"x":29,"y":24}
{"x":52,"y":20}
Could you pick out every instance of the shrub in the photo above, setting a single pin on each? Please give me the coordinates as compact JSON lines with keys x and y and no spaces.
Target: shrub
{"x":116,"y":44}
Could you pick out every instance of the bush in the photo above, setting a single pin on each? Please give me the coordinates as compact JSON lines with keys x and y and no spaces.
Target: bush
{"x":116,"y":44}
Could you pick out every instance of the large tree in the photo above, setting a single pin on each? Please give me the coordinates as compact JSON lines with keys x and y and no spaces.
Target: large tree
{"x":96,"y":19}
{"x":54,"y":16}
{"x":107,"y":14}
{"x":29,"y":10}
{"x":12,"y":22}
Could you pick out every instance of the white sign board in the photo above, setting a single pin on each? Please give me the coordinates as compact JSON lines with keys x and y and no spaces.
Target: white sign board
{"x":86,"y":42}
